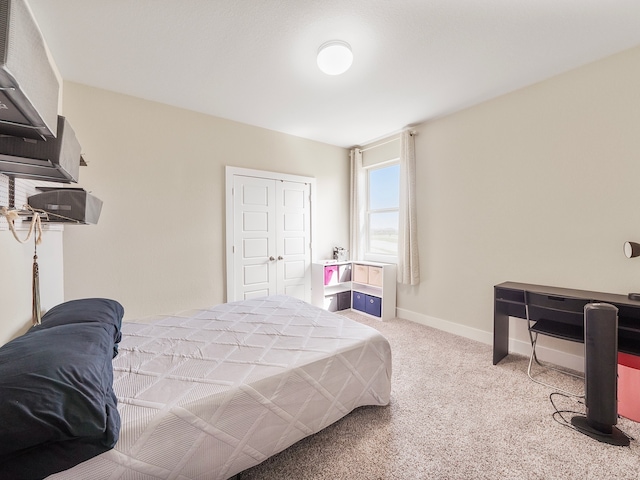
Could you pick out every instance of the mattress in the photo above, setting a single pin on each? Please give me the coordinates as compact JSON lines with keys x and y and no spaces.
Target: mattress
{"x":206,"y":394}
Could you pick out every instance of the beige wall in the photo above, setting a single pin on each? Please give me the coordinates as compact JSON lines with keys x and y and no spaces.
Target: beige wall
{"x":159,"y":244}
{"x":15,"y":280}
{"x":541,"y":186}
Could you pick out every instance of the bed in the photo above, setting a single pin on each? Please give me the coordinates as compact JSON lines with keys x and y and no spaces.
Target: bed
{"x":206,"y":394}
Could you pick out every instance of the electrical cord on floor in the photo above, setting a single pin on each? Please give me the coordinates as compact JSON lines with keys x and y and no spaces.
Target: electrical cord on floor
{"x":558,"y":413}
{"x":567,"y":423}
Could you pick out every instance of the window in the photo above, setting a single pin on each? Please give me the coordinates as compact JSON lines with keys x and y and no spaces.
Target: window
{"x":383,"y":200}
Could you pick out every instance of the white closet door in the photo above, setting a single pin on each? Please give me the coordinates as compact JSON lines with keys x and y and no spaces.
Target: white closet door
{"x":254,"y":237}
{"x":293,"y":227}
{"x":270,"y":248}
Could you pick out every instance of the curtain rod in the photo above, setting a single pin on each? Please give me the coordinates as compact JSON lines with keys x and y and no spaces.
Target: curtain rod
{"x":412,"y":133}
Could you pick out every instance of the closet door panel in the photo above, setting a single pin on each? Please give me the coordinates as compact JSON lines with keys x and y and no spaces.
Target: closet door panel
{"x":293,"y":224}
{"x":254,"y":237}
{"x":270,"y":248}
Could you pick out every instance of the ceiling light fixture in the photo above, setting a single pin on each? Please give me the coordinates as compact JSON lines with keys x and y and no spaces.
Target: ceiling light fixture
{"x":335,"y":57}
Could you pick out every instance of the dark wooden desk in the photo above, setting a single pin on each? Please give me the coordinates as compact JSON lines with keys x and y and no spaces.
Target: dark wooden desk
{"x":509,"y":302}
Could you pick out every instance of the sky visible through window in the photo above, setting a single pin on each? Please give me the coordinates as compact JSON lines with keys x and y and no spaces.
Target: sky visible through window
{"x":384,"y":193}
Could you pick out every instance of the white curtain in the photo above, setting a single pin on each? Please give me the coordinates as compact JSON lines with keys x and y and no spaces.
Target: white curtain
{"x":358,"y":202}
{"x":408,"y":259}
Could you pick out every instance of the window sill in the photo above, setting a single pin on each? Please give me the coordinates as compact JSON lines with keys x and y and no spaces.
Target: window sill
{"x":370,"y":257}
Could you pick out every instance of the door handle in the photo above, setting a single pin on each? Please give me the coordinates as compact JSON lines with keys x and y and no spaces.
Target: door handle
{"x":271,"y":258}
{"x":279,"y":257}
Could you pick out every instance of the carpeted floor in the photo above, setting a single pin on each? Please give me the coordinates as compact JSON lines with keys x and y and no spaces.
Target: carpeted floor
{"x":454,"y":415}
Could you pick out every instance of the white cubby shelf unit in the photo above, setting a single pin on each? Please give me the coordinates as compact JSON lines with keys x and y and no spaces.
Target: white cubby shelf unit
{"x":365,"y":287}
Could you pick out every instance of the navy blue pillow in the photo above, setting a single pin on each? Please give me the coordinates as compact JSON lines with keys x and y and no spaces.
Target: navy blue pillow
{"x":57,"y":405}
{"x":86,"y":310}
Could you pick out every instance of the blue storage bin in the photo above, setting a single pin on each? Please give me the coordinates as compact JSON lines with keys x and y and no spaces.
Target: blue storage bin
{"x":373,"y":305}
{"x":359,"y":301}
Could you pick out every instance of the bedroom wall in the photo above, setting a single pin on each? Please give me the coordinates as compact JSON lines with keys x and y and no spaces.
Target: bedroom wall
{"x":159,"y":244}
{"x":540,"y":186}
{"x":15,"y":280}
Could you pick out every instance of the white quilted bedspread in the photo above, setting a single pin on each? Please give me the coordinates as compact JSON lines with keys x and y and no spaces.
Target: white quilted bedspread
{"x":205,"y":394}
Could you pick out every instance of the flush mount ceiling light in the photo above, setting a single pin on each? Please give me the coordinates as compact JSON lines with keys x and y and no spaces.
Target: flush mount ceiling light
{"x":335,"y":57}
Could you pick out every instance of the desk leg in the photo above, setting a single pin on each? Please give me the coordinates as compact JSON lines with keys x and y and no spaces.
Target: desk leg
{"x":500,"y":332}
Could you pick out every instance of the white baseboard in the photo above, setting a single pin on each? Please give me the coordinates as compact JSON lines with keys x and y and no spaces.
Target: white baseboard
{"x":557,"y":357}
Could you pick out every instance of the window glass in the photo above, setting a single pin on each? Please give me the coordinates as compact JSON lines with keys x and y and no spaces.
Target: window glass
{"x":382,"y":215}
{"x":383,"y":187}
{"x":383,"y":233}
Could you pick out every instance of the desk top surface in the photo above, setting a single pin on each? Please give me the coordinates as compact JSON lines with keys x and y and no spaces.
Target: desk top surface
{"x":572,"y":293}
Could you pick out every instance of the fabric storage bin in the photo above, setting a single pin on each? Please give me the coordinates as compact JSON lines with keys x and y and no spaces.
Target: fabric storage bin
{"x":629,"y":386}
{"x":344,"y":273}
{"x":375,"y":276}
{"x":360,"y":273}
{"x":331,"y":303}
{"x":373,"y":305}
{"x":344,"y":300}
{"x":359,"y":301}
{"x":331,"y":274}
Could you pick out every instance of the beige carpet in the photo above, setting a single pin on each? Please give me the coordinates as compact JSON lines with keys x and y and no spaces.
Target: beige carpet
{"x":454,"y":415}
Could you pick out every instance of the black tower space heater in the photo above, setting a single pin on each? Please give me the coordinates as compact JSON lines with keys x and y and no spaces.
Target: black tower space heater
{"x":601,"y":375}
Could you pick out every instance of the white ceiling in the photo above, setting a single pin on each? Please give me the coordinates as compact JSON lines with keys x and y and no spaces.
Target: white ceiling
{"x":253,"y":61}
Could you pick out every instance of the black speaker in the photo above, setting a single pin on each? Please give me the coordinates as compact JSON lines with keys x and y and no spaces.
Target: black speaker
{"x":601,"y":375}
